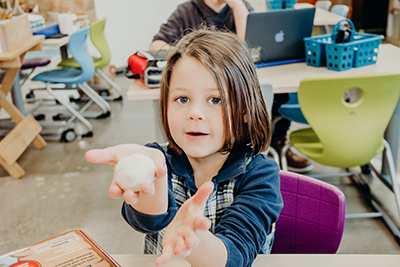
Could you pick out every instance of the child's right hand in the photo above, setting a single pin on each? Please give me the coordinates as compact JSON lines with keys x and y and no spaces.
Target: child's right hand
{"x":112,"y":155}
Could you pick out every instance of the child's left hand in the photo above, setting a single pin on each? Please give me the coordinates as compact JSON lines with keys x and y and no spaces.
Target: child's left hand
{"x":181,"y":235}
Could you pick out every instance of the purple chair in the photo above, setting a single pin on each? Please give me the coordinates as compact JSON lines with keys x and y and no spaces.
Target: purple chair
{"x":312,"y":219}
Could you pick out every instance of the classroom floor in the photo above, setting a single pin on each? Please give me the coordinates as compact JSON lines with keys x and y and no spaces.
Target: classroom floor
{"x":62,"y":191}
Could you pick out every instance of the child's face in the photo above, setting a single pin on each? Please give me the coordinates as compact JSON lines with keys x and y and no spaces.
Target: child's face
{"x":195,"y":110}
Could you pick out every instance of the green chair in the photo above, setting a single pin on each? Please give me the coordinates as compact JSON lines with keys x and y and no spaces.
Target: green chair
{"x":99,"y":41}
{"x":350,"y":134}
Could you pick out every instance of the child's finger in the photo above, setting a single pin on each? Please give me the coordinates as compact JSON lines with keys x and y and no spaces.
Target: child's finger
{"x":180,"y":246}
{"x":106,"y":155}
{"x":131,"y":197}
{"x":148,"y":189}
{"x":201,"y":223}
{"x":166,"y":256}
{"x":115,"y":191}
{"x":201,"y":196}
{"x":191,"y":239}
{"x":160,"y":171}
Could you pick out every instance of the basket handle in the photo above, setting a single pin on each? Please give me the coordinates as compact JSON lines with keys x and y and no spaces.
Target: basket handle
{"x":336,"y":29}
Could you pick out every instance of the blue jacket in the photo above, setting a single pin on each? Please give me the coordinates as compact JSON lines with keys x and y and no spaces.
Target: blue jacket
{"x":246,"y":221}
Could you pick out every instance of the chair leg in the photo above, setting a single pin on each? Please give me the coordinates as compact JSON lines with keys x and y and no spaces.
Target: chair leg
{"x":97,"y":99}
{"x":274,"y":154}
{"x":110,"y":82}
{"x":284,"y":165}
{"x":394,"y":187}
{"x":67,"y":105}
{"x":393,"y":176}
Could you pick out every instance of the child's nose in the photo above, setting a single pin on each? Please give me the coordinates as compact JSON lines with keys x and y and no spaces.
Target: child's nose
{"x":196,"y":113}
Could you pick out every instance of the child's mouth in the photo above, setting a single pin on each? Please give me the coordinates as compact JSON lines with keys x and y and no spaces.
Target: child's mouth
{"x":196,"y":134}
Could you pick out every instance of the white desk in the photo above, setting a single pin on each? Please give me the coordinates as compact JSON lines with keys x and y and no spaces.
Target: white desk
{"x":279,"y":260}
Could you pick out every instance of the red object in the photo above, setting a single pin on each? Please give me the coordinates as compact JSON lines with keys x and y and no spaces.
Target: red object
{"x":137,"y":64}
{"x":26,"y":264}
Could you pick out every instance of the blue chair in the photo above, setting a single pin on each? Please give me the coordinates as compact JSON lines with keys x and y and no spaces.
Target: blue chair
{"x":73,"y":76}
{"x":341,"y":10}
{"x":268,"y":96}
{"x":291,"y":110}
{"x":323,"y":4}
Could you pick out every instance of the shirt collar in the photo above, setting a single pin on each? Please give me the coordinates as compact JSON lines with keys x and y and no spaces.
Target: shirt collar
{"x":208,"y":11}
{"x":234,"y":166}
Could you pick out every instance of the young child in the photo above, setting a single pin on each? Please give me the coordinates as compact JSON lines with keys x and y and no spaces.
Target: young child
{"x":223,"y":14}
{"x":215,"y":198}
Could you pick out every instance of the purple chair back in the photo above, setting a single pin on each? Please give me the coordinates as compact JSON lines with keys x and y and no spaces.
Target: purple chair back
{"x":312,"y":219}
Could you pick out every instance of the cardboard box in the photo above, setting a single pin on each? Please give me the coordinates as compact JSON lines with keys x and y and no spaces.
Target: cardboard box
{"x":79,"y":7}
{"x":14,"y":31}
{"x":71,"y":249}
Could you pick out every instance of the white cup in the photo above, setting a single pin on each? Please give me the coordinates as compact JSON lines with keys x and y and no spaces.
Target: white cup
{"x":67,"y":23}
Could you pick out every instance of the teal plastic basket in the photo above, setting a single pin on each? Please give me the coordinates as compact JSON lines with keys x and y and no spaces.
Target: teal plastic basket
{"x":361,"y":50}
{"x":280,"y":4}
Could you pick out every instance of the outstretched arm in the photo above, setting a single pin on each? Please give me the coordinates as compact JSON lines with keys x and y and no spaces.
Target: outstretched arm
{"x":152,"y":198}
{"x":240,"y":13}
{"x":188,"y":236}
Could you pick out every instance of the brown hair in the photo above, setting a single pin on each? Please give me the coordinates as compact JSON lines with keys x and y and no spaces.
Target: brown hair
{"x":228,"y":59}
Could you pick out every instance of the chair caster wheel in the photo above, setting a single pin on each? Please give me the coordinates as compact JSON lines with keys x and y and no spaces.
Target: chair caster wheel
{"x":118,"y":98}
{"x":40,"y":117}
{"x":30,"y":95}
{"x":104,"y":93}
{"x":104,"y":115}
{"x":365,"y":169}
{"x":89,"y":134}
{"x":68,"y":136}
{"x":57,"y":117}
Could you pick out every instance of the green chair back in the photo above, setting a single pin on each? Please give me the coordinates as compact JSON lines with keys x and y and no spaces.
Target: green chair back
{"x":351,"y":134}
{"x":99,"y":41}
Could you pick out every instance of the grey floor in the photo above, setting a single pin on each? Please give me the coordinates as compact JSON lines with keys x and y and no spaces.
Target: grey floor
{"x":62,"y":191}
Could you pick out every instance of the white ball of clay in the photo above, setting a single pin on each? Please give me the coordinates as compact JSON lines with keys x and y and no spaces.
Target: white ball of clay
{"x":133,"y":171}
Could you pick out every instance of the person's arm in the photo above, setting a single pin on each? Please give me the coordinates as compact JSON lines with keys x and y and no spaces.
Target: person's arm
{"x":159,"y":45}
{"x":171,"y":30}
{"x":240,"y":13}
{"x":152,"y":199}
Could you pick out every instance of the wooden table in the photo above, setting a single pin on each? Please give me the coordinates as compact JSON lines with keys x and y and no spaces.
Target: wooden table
{"x":61,"y":43}
{"x":27,"y":129}
{"x":279,"y":260}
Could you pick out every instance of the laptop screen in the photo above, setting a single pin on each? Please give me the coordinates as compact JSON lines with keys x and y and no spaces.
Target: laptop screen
{"x":277,"y":35}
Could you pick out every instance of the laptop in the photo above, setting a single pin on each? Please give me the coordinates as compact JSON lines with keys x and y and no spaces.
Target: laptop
{"x":276,"y":37}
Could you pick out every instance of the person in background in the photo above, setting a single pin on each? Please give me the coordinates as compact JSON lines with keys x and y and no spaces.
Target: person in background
{"x":190,"y":15}
{"x":230,"y":15}
{"x":216,"y":197}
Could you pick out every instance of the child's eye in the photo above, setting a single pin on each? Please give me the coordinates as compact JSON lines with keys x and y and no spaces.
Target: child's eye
{"x":215,"y":100}
{"x":182,"y":100}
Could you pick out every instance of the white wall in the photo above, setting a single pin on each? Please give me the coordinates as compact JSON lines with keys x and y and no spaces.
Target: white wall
{"x":131,"y":24}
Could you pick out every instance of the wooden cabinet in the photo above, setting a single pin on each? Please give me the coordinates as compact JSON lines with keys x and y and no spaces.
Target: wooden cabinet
{"x":370,"y":15}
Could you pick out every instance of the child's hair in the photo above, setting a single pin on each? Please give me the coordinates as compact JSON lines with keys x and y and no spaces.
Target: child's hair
{"x":228,"y":59}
